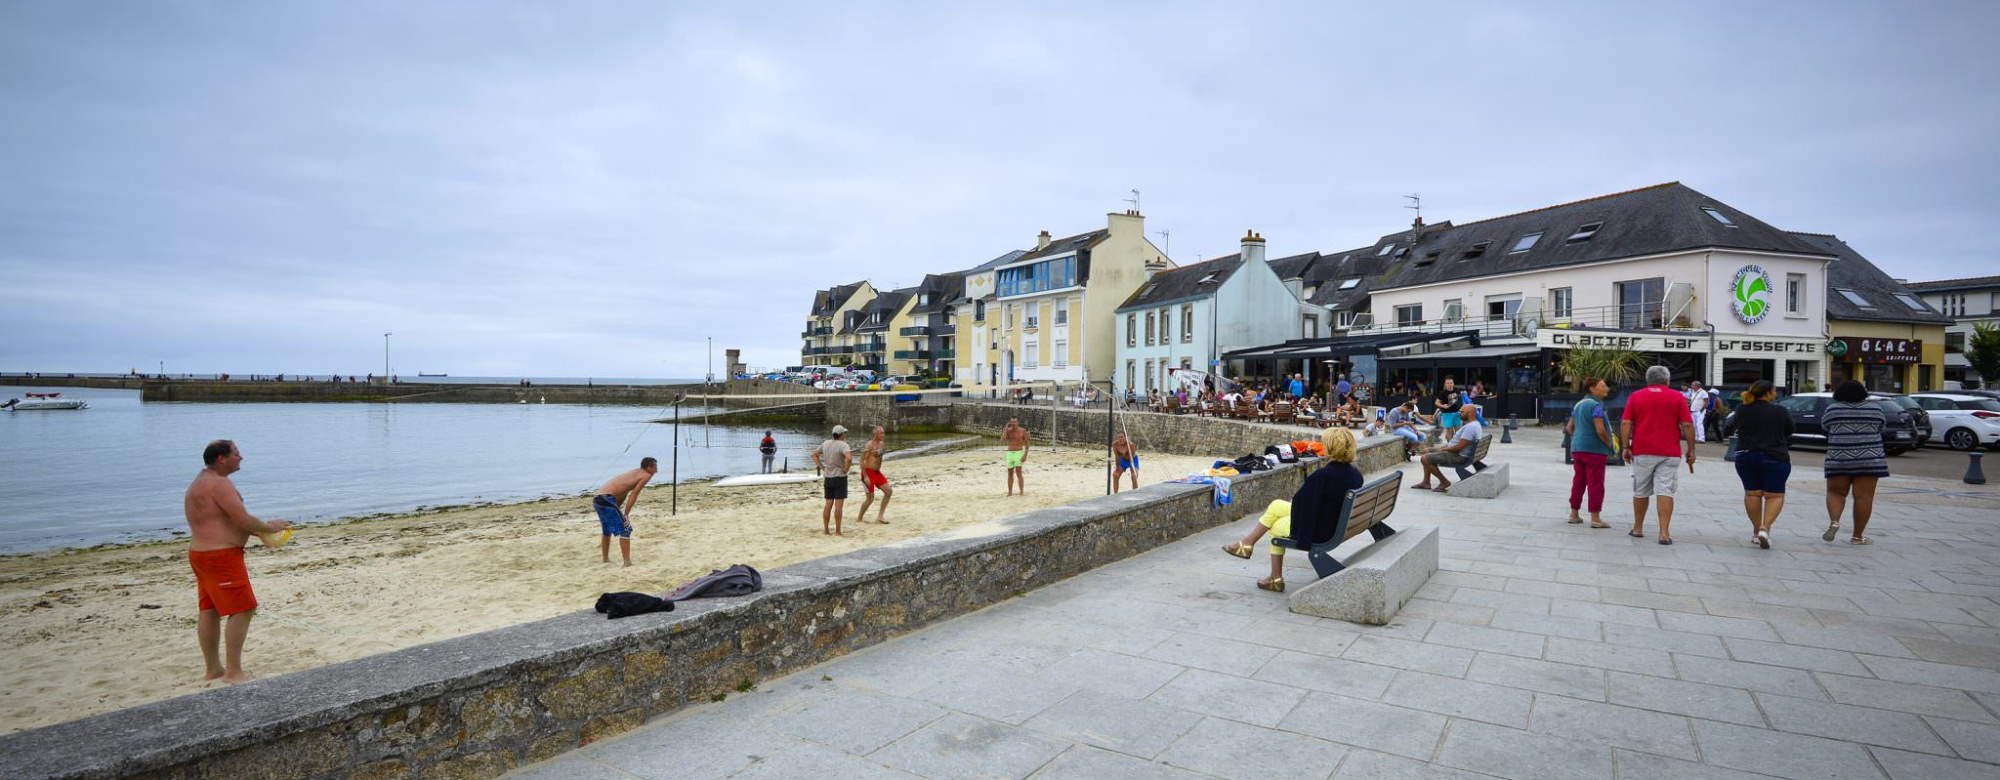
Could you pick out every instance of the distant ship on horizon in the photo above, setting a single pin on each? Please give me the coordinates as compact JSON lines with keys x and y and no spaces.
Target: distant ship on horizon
{"x":420,"y":373}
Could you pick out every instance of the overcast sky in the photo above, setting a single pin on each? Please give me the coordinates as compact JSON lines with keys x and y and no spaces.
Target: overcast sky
{"x":592,"y":188}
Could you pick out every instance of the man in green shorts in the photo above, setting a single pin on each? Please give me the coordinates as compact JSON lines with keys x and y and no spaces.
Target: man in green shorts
{"x":1016,"y":438}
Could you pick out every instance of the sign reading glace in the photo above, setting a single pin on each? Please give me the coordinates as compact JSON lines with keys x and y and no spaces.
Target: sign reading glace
{"x":1750,"y":294}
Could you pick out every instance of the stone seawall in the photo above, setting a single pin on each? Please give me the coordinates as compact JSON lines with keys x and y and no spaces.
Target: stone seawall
{"x":104,"y":383}
{"x":478,"y":706}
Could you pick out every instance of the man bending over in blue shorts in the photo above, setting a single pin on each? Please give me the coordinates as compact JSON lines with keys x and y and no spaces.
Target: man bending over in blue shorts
{"x":614,"y":504}
{"x":1128,"y":460}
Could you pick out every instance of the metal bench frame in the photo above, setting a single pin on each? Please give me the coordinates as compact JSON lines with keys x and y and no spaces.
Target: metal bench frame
{"x":1366,"y":508}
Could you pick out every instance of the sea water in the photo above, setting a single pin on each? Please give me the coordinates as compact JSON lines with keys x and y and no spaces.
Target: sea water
{"x":117,"y":471}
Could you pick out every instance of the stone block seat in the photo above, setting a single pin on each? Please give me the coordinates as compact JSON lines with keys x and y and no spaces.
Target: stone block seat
{"x":1477,"y":479}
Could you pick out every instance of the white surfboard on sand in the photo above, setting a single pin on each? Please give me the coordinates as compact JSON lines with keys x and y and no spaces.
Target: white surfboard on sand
{"x":753,"y":480}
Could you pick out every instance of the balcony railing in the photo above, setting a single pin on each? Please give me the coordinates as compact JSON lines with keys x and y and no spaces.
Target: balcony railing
{"x":1646,"y":316}
{"x":915,"y":330}
{"x":947,"y":354}
{"x":913,"y":354}
{"x":822,"y":330}
{"x":838,"y":351}
{"x":943,"y":330}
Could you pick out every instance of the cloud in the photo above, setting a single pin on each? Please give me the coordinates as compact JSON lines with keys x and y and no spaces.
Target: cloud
{"x":593,"y":189}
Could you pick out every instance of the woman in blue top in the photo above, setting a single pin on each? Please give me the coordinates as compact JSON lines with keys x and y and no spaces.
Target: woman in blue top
{"x":1317,"y":504}
{"x":1590,"y":448}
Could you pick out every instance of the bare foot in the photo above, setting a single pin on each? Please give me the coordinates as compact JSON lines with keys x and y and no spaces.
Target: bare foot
{"x":837,"y":533}
{"x":213,"y":675}
{"x":826,"y":532}
{"x":882,"y":521}
{"x":628,"y":563}
{"x":239,"y":677}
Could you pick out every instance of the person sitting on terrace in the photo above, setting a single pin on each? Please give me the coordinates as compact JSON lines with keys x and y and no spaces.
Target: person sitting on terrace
{"x":1316,"y":504}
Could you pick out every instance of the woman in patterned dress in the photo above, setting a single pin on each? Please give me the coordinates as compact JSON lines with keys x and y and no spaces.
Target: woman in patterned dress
{"x":1855,"y":458}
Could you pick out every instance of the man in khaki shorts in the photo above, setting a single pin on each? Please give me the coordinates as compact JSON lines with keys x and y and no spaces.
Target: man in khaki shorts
{"x":1657,"y":422}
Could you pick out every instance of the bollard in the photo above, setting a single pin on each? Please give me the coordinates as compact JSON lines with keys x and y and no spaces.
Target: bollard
{"x":1730,"y":456}
{"x":1506,"y":435}
{"x":1973,"y":476}
{"x":1569,"y":457}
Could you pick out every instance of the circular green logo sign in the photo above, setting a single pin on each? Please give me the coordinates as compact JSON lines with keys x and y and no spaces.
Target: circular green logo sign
{"x":1836,"y":347}
{"x":1751,"y":294}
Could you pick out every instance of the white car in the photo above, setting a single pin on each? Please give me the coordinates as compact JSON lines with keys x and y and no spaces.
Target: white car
{"x":1963,"y":422}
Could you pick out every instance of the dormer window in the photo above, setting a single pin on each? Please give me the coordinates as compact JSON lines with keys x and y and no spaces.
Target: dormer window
{"x":1718,"y":215}
{"x":1386,"y":249}
{"x":1584,"y":233}
{"x":1476,"y":250}
{"x":1526,"y":243}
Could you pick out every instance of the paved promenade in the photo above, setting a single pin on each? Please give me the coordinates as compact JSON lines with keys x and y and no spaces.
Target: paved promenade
{"x":1539,"y":651}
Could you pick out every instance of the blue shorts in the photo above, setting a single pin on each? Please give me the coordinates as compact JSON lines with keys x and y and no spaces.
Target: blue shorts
{"x":1762,"y":472}
{"x":1411,"y":434}
{"x":609,"y":518}
{"x":1132,"y":464}
{"x":1448,"y":419}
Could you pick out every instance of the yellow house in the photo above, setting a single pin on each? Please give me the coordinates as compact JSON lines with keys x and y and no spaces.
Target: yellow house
{"x":1879,"y":332}
{"x":831,"y":310}
{"x":1056,"y":304}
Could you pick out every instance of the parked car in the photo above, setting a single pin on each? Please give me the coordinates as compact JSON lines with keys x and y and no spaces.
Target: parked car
{"x":1923,"y":418}
{"x":1968,"y":421}
{"x":1899,"y":435}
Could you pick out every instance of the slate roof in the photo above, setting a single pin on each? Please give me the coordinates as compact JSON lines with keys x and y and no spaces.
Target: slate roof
{"x":1333,"y":297}
{"x":1184,"y":283}
{"x":885,"y":304}
{"x":1294,"y":267}
{"x":941,"y":288}
{"x":830,"y":300}
{"x":1971,"y":283}
{"x":1651,"y":220}
{"x":1849,"y":270}
{"x":1067,"y":245}
{"x":848,"y":322}
{"x":958,"y":295}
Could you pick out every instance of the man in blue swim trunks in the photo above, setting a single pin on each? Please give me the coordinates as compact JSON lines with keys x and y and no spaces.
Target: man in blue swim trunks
{"x":1128,"y":460}
{"x":614,"y":504}
{"x":1447,"y":409}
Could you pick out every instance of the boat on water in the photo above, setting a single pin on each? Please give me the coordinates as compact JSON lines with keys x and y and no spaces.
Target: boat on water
{"x":43,"y":402}
{"x":420,"y":373}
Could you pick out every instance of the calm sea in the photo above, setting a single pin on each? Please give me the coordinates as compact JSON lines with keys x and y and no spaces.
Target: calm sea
{"x":116,"y":471}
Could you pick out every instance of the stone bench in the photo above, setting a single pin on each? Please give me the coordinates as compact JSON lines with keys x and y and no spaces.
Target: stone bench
{"x":1377,"y":580}
{"x":1363,"y":509}
{"x":1478,"y":480}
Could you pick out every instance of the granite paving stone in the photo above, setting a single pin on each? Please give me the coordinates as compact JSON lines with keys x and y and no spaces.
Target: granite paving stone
{"x":1660,"y":639}
{"x":1614,"y":725}
{"x":1370,"y":765}
{"x":818,"y":762}
{"x":962,"y":747}
{"x":1784,"y":755}
{"x":1928,"y":673}
{"x":1904,"y":765}
{"x":1405,"y":654}
{"x":1604,"y":655}
{"x":1753,"y":677}
{"x":1352,"y":679}
{"x":1519,"y":755}
{"x":1905,"y":697}
{"x":1004,"y":696}
{"x":1228,"y":696}
{"x":1500,"y":601}
{"x":1084,"y":762}
{"x":1239,"y":751}
{"x":1228,"y":656}
{"x":1580,"y":682}
{"x":1139,"y":728}
{"x":1849,"y":723}
{"x":1383,"y":727}
{"x":1574,"y":628}
{"x":1604,"y":613}
{"x":1842,"y":639}
{"x":1947,"y":652}
{"x":1976,"y":741}
{"x":1460,"y":698}
{"x":1719,"y":626}
{"x":1128,"y":676}
{"x":858,"y":722}
{"x":1713,"y":702}
{"x":1491,"y":640}
{"x":1638,"y":765}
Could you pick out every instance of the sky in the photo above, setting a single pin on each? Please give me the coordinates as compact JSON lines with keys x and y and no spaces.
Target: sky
{"x":599,"y":188}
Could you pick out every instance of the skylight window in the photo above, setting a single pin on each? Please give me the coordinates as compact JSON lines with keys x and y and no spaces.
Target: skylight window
{"x":1911,"y":301}
{"x":1711,"y":211}
{"x":1207,"y":279}
{"x":1584,"y":233}
{"x":1476,"y":250}
{"x":1526,"y":243}
{"x":1386,"y":249}
{"x":1349,"y":284}
{"x":1855,"y":298}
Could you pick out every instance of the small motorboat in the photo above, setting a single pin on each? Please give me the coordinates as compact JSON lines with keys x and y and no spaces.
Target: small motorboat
{"x":43,"y":402}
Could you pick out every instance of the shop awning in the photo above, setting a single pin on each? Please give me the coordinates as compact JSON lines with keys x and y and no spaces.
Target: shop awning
{"x":1429,"y":343}
{"x":1473,"y":353}
{"x":1312,"y":349}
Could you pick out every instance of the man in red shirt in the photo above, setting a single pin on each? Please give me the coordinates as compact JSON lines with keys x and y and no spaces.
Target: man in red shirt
{"x":1656,"y":424}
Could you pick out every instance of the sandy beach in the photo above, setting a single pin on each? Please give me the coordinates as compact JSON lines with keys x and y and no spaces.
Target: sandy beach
{"x":97,"y":630}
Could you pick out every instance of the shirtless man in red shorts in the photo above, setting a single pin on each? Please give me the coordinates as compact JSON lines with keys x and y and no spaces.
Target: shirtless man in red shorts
{"x":219,"y":526}
{"x":872,"y":477}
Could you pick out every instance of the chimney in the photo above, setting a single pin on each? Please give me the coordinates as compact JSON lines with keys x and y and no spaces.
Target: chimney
{"x":1155,"y":265}
{"x":1253,"y":247}
{"x":1417,"y":231}
{"x":1042,"y":241}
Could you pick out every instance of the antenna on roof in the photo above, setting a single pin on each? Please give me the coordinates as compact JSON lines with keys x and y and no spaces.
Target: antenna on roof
{"x":1166,"y":236}
{"x":1134,"y":200}
{"x":1417,"y":203}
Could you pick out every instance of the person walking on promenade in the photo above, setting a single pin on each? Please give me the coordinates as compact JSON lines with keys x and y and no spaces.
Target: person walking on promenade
{"x":1318,"y":501}
{"x":1763,"y":456}
{"x":1855,"y":458}
{"x":1016,"y":439}
{"x":1697,"y":401}
{"x":614,"y":503}
{"x":833,"y":460}
{"x":218,"y":527}
{"x":1590,"y":448}
{"x":1656,"y":423}
{"x":769,"y":449}
{"x":872,"y":478}
{"x":1128,"y":460}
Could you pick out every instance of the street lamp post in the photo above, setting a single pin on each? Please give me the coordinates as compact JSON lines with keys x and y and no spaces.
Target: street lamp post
{"x":385,"y":357}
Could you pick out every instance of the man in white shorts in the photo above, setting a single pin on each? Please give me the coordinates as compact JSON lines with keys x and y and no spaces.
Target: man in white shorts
{"x":1657,"y":421}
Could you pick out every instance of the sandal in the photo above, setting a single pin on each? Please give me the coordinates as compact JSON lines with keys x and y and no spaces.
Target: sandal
{"x":1441,"y":489}
{"x":1277,"y":585}
{"x":1635,"y":534}
{"x":1237,"y":549}
{"x":1576,"y":521}
{"x":1666,"y":541}
{"x":1831,"y":531}
{"x":1861,"y":540}
{"x":1600,"y":525}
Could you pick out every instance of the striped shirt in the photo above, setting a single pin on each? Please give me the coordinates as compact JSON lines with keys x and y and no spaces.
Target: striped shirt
{"x":1854,"y":440}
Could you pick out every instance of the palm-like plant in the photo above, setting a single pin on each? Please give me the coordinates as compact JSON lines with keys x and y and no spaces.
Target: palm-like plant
{"x":1617,"y":366}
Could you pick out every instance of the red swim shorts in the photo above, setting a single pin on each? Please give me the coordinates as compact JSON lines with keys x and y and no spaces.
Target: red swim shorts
{"x":873,"y":479}
{"x":222,"y":581}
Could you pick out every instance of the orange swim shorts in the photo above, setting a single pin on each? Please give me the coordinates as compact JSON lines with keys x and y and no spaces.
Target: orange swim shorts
{"x":873,"y":479}
{"x":222,"y":581}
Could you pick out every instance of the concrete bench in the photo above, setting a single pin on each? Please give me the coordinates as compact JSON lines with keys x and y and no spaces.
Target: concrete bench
{"x":1363,"y":509}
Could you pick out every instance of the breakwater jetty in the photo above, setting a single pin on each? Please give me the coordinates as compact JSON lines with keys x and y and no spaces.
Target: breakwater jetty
{"x":742,"y":392}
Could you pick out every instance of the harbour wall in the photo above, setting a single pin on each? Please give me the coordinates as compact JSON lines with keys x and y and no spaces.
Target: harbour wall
{"x":103,"y":383}
{"x":478,"y":706}
{"x":247,"y":391}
